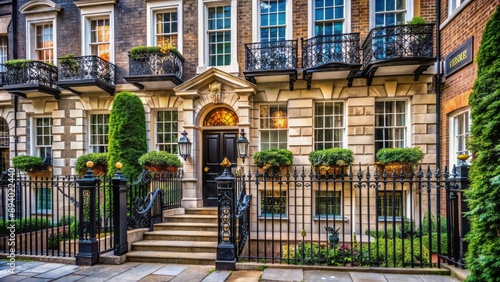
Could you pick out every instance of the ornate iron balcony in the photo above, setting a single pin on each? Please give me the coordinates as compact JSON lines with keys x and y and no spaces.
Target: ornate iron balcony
{"x":331,"y":49}
{"x":85,"y":68}
{"x":30,"y":73}
{"x":407,"y":42}
{"x":156,"y":64}
{"x":274,"y":55}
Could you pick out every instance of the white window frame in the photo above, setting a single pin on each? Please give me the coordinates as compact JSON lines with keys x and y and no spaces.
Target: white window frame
{"x":92,"y":12}
{"x":4,"y":54}
{"x":155,"y":128}
{"x":268,"y":117}
{"x":203,"y":61}
{"x":35,"y":148}
{"x":154,"y":7}
{"x":256,"y":21}
{"x":453,"y":146}
{"x":407,"y":121}
{"x":338,"y":195}
{"x":408,"y":14}
{"x":90,"y":125}
{"x":312,"y":19}
{"x":343,"y":127}
{"x":454,"y":5}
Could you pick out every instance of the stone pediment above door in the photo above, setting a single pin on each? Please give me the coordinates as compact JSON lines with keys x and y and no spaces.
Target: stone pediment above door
{"x":215,"y":86}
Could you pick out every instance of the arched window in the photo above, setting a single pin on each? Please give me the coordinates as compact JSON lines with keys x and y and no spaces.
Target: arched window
{"x":221,"y":117}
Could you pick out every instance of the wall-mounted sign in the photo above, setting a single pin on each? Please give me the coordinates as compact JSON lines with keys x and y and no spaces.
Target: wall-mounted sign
{"x":459,"y":57}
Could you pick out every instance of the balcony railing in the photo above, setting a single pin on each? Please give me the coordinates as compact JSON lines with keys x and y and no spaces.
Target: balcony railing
{"x":29,"y":73}
{"x":86,"y":67}
{"x":157,"y":63}
{"x":275,"y":55}
{"x":331,"y":49}
{"x":398,"y":42}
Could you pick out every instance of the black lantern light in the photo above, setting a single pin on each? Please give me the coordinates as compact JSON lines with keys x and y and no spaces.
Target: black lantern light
{"x":184,"y":146}
{"x":242,"y":145}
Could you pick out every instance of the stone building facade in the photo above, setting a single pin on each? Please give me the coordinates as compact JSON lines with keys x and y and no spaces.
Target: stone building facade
{"x":352,"y":64}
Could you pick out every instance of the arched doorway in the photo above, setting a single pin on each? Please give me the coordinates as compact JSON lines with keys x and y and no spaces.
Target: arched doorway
{"x":4,"y":144}
{"x":219,"y":141}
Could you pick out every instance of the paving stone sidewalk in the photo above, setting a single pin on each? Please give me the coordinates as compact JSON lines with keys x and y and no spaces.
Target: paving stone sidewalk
{"x":28,"y":271}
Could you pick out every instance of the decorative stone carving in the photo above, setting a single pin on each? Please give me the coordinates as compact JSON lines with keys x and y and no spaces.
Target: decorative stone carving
{"x":215,"y":92}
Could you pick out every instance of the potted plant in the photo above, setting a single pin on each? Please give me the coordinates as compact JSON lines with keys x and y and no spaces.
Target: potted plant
{"x":100,"y":161}
{"x":69,"y":64}
{"x":274,"y":159}
{"x":160,"y":161}
{"x":398,"y":160}
{"x":331,"y":161}
{"x":32,"y":165}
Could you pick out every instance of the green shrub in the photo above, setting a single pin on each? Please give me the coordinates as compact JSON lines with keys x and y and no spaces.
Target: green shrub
{"x":17,"y":63}
{"x":434,"y":224}
{"x":402,"y":155}
{"x":138,"y":52}
{"x":66,"y":220}
{"x":273,"y":158}
{"x":434,"y":247}
{"x":25,"y":224}
{"x":331,"y":157}
{"x":160,"y":158}
{"x":382,"y":248}
{"x":99,"y":159}
{"x":483,"y":194}
{"x":28,"y":163}
{"x":417,"y":20}
{"x":127,"y":134}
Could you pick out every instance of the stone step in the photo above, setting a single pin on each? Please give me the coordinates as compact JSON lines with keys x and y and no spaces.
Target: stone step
{"x":175,"y":246}
{"x":187,"y":226}
{"x":179,"y":235}
{"x":206,"y":211}
{"x":172,"y":257}
{"x":191,"y":218}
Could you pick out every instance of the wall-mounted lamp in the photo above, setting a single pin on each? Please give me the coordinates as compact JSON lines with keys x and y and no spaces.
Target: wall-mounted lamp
{"x":184,"y":146}
{"x":242,"y":145}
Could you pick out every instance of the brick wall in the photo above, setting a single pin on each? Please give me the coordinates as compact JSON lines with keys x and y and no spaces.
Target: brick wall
{"x":190,"y":45}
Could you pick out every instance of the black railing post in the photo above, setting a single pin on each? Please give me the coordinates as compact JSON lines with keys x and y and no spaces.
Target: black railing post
{"x":463,"y":172}
{"x":119,"y":182}
{"x":88,"y":247}
{"x":226,"y":248}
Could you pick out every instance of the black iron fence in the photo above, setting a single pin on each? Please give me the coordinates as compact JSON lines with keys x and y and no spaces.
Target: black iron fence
{"x":41,"y":215}
{"x":30,"y":72}
{"x":156,"y":63}
{"x":331,"y":49}
{"x":273,"y":55}
{"x":86,"y":67}
{"x":359,"y":217}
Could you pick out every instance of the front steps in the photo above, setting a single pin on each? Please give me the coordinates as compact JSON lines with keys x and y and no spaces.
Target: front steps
{"x":190,"y":238}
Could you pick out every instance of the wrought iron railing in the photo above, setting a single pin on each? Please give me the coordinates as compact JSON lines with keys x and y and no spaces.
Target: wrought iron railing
{"x":325,"y":49}
{"x":157,"y":63}
{"x":34,"y":72}
{"x":357,"y":217}
{"x":274,"y":55}
{"x":86,"y":67}
{"x":400,"y":41}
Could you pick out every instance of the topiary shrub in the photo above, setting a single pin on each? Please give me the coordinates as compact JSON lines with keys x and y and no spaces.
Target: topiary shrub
{"x":100,"y":161}
{"x":127,"y":134}
{"x":28,"y":163}
{"x":160,"y":161}
{"x":483,"y":194}
{"x":273,"y":158}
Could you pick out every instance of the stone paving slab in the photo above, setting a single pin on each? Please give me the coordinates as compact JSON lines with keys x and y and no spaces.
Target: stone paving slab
{"x":59,"y":272}
{"x":437,"y":278}
{"x":402,"y":278}
{"x":157,"y":278}
{"x":171,"y":270}
{"x":137,"y":273}
{"x":217,"y":276}
{"x":109,"y":272}
{"x":44,"y":267}
{"x":194,"y":273}
{"x":367,"y":277}
{"x":70,"y":278}
{"x":245,"y":276}
{"x":276,"y":274}
{"x":324,"y":275}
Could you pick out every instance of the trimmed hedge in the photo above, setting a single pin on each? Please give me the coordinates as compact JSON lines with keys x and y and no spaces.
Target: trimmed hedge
{"x":483,"y":194}
{"x":127,"y":134}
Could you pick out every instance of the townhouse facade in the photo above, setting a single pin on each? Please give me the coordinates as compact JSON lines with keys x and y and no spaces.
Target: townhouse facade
{"x":301,"y":75}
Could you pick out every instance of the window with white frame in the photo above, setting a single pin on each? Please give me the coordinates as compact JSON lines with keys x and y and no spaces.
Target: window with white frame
{"x":273,"y":203}
{"x":3,"y":52}
{"x":273,"y":20}
{"x":390,"y":12}
{"x":166,"y":131}
{"x":166,"y":28}
{"x":459,"y":135}
{"x":390,"y":124}
{"x":43,"y":138}
{"x":390,"y":204}
{"x":454,"y":4}
{"x":97,"y":29}
{"x":273,"y":127}
{"x":99,"y":127}
{"x":43,"y":199}
{"x":43,"y":42}
{"x":328,"y":203}
{"x":329,"y":125}
{"x":329,"y":17}
{"x":219,"y":35}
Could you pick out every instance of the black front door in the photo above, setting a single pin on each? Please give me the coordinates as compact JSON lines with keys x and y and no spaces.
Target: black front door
{"x":216,"y":146}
